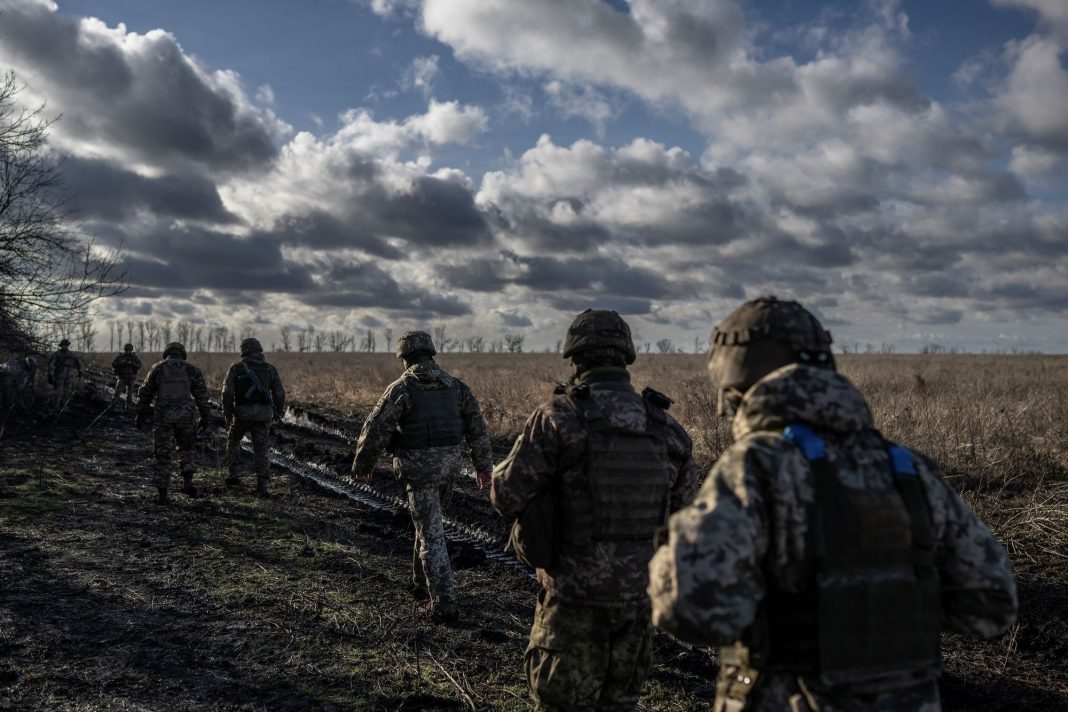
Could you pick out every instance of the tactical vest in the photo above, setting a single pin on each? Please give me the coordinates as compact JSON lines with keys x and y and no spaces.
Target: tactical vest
{"x":432,"y":420}
{"x":246,"y":390}
{"x":627,"y":485}
{"x":873,"y":606}
{"x":65,"y":360}
{"x":174,"y":383}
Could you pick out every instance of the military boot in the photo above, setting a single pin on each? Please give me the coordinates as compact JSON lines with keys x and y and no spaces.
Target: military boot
{"x":162,"y":497}
{"x":187,"y":485}
{"x":445,"y":612}
{"x":261,"y":487}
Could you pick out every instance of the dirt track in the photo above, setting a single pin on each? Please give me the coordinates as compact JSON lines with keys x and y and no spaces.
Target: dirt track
{"x":229,"y":602}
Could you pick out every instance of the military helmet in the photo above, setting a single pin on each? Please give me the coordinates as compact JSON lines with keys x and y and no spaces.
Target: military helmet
{"x":174,"y":348}
{"x":128,"y":347}
{"x":762,"y":335}
{"x":64,"y":342}
{"x":599,"y":330}
{"x":250,"y":346}
{"x":414,"y":342}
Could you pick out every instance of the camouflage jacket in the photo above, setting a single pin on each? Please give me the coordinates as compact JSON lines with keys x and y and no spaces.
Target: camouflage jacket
{"x":126,"y":365}
{"x":182,"y":410}
{"x":260,"y":412}
{"x":433,"y":465}
{"x":747,"y":530}
{"x":62,"y":361}
{"x":551,"y":454}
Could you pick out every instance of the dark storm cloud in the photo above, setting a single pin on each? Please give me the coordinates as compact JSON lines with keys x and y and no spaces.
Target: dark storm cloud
{"x":436,"y":213}
{"x":320,"y":230}
{"x":366,"y":285}
{"x":624,"y":305}
{"x":145,"y":94}
{"x":101,"y":190}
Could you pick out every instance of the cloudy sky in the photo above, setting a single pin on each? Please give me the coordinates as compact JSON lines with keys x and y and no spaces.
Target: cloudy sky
{"x":900,"y":166}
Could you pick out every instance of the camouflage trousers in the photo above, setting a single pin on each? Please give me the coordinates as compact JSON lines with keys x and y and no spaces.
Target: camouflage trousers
{"x":259,"y":432}
{"x":127,"y":385}
{"x":430,"y":561}
{"x":587,"y":657}
{"x":784,"y":691}
{"x":64,"y":388}
{"x":168,"y":439}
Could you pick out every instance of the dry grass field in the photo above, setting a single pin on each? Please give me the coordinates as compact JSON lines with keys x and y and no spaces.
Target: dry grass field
{"x":998,"y":425}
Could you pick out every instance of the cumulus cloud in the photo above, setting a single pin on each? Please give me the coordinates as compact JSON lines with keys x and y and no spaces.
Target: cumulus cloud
{"x":1035,"y":96}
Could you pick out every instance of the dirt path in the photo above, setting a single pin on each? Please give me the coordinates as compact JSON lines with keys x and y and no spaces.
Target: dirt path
{"x":227,"y":602}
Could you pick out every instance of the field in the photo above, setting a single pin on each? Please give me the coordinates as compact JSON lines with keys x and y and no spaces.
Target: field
{"x":225,"y":602}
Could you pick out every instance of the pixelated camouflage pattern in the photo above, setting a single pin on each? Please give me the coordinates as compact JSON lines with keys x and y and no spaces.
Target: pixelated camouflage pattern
{"x":412,"y":342}
{"x":253,"y":411}
{"x":772,"y":318}
{"x":431,"y":568}
{"x":784,"y":692}
{"x":170,"y":440}
{"x":587,"y":657}
{"x":259,"y":433}
{"x":65,"y":368}
{"x":597,"y":330}
{"x":552,"y":447}
{"x":747,"y":529}
{"x":430,"y":466}
{"x":126,"y":366}
{"x":175,"y":410}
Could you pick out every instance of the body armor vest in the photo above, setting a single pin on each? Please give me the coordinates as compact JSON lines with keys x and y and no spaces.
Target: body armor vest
{"x":254,"y":388}
{"x":433,"y":420}
{"x":65,"y":360}
{"x":627,"y":473}
{"x":174,"y":383}
{"x":873,"y":607}
{"x":127,"y":365}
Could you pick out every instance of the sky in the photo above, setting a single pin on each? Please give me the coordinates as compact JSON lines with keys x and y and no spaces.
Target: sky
{"x":497,"y":166}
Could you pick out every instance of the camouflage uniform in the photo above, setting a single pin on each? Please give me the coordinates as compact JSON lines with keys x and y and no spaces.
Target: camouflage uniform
{"x":590,"y":644}
{"x":126,"y":367}
{"x":427,"y":473}
{"x":751,"y":532}
{"x":65,"y":368}
{"x":180,"y":393}
{"x":247,"y":410}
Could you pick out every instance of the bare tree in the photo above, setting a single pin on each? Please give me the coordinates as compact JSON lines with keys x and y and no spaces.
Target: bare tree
{"x":286,"y":333}
{"x":129,"y":332}
{"x":87,"y":336}
{"x":559,"y":345}
{"x":514,"y":343}
{"x":303,"y":340}
{"x":339,"y":341}
{"x":388,"y":333}
{"x":197,"y":337}
{"x":152,"y":328}
{"x":49,"y":275}
{"x":320,"y":341}
{"x":665,"y":346}
{"x":165,"y":332}
{"x":111,"y":336}
{"x":439,"y":337}
{"x":140,"y":336}
{"x":476,"y":344}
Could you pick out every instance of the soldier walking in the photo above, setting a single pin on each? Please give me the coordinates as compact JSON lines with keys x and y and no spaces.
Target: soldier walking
{"x":177,"y":387}
{"x":17,"y":377}
{"x":252,"y":398}
{"x":64,"y":370}
{"x":126,"y":366}
{"x":611,"y":464}
{"x":822,"y":558}
{"x":422,"y":418}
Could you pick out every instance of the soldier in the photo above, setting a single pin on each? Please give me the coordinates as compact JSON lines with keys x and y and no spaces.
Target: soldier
{"x":16,"y":382}
{"x":179,"y":392}
{"x":824,"y":559}
{"x":422,"y":418}
{"x":610,"y":464}
{"x":252,"y":398}
{"x":64,"y":369}
{"x":126,"y":366}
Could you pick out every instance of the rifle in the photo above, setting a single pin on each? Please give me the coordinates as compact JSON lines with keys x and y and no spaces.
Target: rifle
{"x":257,"y":386}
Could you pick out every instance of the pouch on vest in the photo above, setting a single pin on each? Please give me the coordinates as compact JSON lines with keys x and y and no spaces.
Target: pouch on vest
{"x":873,"y":610}
{"x":174,"y":381}
{"x":533,"y":536}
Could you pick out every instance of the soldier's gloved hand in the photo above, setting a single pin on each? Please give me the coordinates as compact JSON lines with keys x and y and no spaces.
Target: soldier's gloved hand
{"x":483,"y":478}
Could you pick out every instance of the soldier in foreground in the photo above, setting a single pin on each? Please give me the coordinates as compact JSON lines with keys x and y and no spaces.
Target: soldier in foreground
{"x":823,"y":559}
{"x":17,"y":376}
{"x":422,"y":418}
{"x":179,"y":392}
{"x":609,"y":465}
{"x":64,"y":370}
{"x":126,"y":366}
{"x":252,"y":398}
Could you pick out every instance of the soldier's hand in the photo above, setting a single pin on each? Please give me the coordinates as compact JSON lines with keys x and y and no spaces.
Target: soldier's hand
{"x":483,"y":478}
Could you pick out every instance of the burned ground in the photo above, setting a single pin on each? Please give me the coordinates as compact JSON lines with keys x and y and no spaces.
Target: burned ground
{"x":228,"y":602}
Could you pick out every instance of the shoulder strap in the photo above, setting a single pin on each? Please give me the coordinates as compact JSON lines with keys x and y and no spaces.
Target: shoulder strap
{"x":907,"y":481}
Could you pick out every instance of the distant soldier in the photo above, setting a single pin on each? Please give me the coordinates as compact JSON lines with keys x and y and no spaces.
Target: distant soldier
{"x":126,"y":366}
{"x":822,"y":558}
{"x":17,"y":376}
{"x":64,"y":370}
{"x":179,"y":392}
{"x":252,"y":398}
{"x":608,"y":465}
{"x":422,"y":418}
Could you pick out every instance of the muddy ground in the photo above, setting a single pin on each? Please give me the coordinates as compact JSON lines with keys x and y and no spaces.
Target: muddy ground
{"x":228,"y":602}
